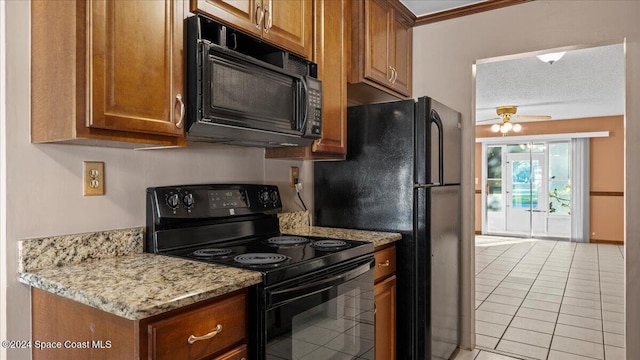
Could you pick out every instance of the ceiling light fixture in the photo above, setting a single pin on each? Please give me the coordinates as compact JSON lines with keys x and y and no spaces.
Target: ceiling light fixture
{"x":505,"y":127}
{"x":551,"y":57}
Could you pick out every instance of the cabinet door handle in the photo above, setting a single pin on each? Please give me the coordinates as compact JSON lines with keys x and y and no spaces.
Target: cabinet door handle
{"x":390,"y":73}
{"x":259,"y":16}
{"x":216,"y":331}
{"x":384,"y":264}
{"x":268,"y":22}
{"x":395,"y":75}
{"x":179,"y":99}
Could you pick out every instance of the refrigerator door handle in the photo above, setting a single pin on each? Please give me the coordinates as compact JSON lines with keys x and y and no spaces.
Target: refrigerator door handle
{"x":434,"y":118}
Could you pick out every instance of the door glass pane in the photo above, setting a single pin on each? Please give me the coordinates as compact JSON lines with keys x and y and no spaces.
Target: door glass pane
{"x":525,"y":148}
{"x":494,"y":178}
{"x":523,"y":195}
{"x":559,"y":178}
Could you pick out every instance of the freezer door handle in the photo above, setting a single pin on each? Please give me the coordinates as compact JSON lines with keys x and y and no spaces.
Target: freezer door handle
{"x":434,"y":118}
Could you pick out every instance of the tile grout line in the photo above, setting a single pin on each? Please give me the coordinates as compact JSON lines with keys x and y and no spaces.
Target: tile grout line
{"x":555,"y":325}
{"x":604,"y":352}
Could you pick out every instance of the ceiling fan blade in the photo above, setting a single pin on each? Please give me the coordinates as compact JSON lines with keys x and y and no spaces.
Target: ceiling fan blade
{"x":532,"y":117}
{"x":487,"y":120}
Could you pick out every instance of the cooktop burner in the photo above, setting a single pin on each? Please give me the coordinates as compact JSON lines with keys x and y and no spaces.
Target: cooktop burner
{"x":260,"y":258}
{"x":212,"y":252}
{"x":330,"y":244}
{"x":287,"y":240}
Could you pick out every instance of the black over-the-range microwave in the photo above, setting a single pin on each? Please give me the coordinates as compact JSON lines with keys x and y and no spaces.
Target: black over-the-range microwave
{"x":243,"y":91}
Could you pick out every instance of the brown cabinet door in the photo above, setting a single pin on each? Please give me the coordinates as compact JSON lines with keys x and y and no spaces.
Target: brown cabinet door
{"x":331,"y":57}
{"x":289,"y":24}
{"x":385,"y":328}
{"x":378,"y":41}
{"x":330,"y":53}
{"x":246,"y":15}
{"x":136,"y":65}
{"x":402,"y":54}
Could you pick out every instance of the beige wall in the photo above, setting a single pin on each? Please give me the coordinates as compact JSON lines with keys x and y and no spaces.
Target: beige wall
{"x":44,"y":188}
{"x":444,"y":54}
{"x":606,"y":181}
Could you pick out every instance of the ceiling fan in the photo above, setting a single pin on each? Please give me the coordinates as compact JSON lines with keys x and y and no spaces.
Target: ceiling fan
{"x":506,"y":113}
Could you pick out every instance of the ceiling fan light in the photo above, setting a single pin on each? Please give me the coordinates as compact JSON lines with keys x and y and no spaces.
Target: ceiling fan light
{"x":507,"y":126}
{"x":551,"y":57}
{"x":517,"y":127}
{"x":495,"y":128}
{"x":503,"y":129}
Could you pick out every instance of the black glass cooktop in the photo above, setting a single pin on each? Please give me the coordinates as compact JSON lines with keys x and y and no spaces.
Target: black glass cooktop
{"x":279,"y":257}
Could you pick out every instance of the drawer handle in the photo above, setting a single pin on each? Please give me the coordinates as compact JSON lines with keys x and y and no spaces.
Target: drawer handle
{"x":384,"y":264}
{"x":216,"y":331}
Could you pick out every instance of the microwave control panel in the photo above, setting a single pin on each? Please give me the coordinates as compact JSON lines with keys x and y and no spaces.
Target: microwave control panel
{"x":314,"y":119}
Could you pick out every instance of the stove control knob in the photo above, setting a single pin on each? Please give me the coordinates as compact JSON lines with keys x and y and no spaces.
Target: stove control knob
{"x":173,"y":201}
{"x":187,"y":200}
{"x":274,"y":196}
{"x":264,"y":197}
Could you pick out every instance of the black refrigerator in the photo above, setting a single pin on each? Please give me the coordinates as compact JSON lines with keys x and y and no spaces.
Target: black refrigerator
{"x":402,"y":174}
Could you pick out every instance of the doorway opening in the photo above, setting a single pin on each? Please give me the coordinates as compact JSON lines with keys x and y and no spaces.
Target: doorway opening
{"x":538,"y":295}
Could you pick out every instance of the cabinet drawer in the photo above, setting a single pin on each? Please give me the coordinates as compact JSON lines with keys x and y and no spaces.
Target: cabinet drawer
{"x":210,"y":329}
{"x":239,"y":353}
{"x":385,"y":263}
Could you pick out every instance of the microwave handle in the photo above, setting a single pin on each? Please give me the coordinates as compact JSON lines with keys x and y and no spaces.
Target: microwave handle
{"x":306,"y":104}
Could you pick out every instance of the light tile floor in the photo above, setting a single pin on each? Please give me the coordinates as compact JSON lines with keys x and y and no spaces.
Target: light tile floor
{"x":549,"y":300}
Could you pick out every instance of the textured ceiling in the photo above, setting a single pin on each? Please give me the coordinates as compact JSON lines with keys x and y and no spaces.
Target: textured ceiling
{"x":584,"y":83}
{"x":423,"y":7}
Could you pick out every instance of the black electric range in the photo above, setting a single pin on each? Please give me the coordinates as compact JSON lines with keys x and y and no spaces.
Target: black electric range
{"x":237,"y":225}
{"x":309,"y":284}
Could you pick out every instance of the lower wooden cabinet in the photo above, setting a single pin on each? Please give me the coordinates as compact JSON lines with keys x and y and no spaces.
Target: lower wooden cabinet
{"x":384,"y":291}
{"x":199,"y":333}
{"x":211,"y":329}
{"x":385,"y":299}
{"x":239,"y":353}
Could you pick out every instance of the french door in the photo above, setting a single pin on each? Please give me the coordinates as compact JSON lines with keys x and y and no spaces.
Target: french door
{"x":527,"y":189}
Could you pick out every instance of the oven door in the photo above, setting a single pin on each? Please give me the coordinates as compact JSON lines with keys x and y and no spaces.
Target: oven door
{"x":328,"y":316}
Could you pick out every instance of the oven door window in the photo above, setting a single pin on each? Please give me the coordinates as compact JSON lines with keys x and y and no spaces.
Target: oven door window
{"x":333,"y":323}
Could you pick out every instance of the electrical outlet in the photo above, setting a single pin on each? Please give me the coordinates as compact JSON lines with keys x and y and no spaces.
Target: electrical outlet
{"x":294,"y":176}
{"x":93,"y":178}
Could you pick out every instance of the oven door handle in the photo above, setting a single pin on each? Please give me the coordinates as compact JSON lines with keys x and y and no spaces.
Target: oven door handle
{"x":281,"y":297}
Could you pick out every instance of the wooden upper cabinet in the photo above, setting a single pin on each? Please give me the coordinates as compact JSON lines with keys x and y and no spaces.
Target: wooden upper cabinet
{"x":381,"y":51}
{"x":110,"y":71}
{"x":285,"y":23}
{"x":136,"y":66}
{"x":402,"y":54}
{"x":378,"y":41}
{"x":330,"y":53}
{"x":242,"y":14}
{"x":289,"y":24}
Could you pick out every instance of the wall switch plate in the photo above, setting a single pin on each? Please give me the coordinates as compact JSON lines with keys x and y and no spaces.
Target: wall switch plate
{"x":93,"y":178}
{"x":294,"y":176}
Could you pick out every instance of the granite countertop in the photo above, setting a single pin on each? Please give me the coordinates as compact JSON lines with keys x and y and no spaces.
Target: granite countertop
{"x":140,"y":285}
{"x":298,"y":223}
{"x":108,"y":270}
{"x":375,"y":237}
